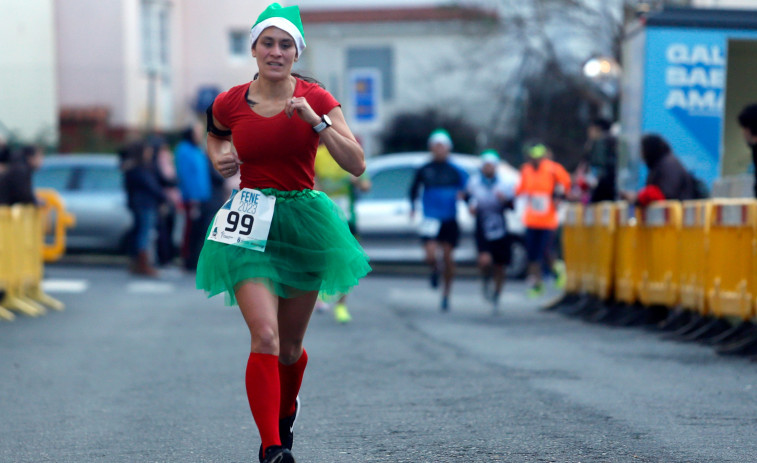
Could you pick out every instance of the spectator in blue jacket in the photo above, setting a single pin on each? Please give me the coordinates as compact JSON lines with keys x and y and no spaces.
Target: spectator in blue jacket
{"x":193,"y":170}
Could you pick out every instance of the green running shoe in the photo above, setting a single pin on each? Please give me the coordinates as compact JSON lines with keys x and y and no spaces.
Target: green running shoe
{"x":341,"y":314}
{"x":560,"y":273}
{"x":535,"y":291}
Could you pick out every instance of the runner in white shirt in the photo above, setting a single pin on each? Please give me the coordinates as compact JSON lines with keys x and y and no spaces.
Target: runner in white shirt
{"x":488,"y":196}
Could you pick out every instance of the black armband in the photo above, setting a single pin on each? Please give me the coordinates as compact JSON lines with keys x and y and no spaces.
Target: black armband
{"x":212,"y":127}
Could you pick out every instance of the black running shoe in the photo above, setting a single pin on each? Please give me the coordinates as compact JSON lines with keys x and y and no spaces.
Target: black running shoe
{"x":278,"y":454}
{"x":434,"y":279}
{"x":286,"y":426}
{"x":286,"y":430}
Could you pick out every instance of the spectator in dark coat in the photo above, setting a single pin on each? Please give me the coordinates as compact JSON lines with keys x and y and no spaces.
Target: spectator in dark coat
{"x":165,"y":168}
{"x":145,"y":196}
{"x":748,"y":123}
{"x":16,"y":177}
{"x":667,"y":178}
{"x":601,"y":158}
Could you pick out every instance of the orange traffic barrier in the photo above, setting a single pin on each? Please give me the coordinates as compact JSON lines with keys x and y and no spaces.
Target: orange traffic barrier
{"x":731,"y":258}
{"x":659,"y":231}
{"x":626,"y":256}
{"x":694,"y":248}
{"x":51,"y":202}
{"x":574,"y":247}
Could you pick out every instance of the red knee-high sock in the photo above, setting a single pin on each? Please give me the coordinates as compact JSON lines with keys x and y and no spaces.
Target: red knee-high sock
{"x":264,"y":395}
{"x":290,"y":377}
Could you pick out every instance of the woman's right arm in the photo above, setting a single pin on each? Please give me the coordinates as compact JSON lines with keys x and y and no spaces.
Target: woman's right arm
{"x":223,"y":158}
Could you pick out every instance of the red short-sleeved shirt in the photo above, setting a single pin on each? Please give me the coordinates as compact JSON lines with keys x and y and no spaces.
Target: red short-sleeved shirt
{"x":276,"y":152}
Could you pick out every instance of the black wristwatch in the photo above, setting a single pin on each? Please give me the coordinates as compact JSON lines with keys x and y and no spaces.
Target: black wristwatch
{"x":323,"y":125}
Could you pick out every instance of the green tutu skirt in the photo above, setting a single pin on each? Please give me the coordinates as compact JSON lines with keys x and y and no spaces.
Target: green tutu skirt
{"x":309,"y":248}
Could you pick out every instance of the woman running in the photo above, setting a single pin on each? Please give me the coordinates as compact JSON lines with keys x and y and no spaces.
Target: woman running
{"x":277,"y":243}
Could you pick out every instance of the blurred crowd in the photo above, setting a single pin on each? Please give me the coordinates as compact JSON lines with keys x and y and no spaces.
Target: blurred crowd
{"x":160,"y":183}
{"x":17,"y":166}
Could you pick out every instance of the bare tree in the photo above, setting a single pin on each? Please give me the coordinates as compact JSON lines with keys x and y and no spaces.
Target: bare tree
{"x":528,"y":69}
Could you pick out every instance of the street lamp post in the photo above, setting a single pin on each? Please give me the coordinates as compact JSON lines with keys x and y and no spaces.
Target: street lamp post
{"x":604,"y":73}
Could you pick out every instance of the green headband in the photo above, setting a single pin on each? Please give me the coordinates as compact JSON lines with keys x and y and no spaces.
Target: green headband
{"x":490,"y":157}
{"x":538,"y":151}
{"x":285,"y":18}
{"x":440,"y":136}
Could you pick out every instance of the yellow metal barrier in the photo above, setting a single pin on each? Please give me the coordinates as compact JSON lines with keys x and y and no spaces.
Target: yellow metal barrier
{"x":699,"y":254}
{"x":694,"y":249}
{"x":6,"y":230}
{"x":602,"y":252}
{"x":731,"y":258}
{"x":15,"y":241}
{"x":626,"y":256}
{"x":588,"y":257}
{"x":573,"y":248}
{"x":659,"y":231}
{"x":22,"y":251}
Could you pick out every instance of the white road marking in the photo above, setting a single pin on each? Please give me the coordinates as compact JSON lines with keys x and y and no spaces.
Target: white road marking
{"x":150,"y":287}
{"x":65,"y":286}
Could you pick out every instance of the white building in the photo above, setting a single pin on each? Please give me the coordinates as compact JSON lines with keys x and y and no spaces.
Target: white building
{"x":28,"y":99}
{"x":417,"y":58}
{"x":744,"y":4}
{"x":144,"y":61}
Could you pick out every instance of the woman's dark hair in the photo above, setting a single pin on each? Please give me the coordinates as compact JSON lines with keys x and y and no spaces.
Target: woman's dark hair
{"x":27,"y":151}
{"x":604,"y":124}
{"x":653,"y":148}
{"x":748,"y":118}
{"x":132,"y":155}
{"x":188,"y":135}
{"x":5,"y":154}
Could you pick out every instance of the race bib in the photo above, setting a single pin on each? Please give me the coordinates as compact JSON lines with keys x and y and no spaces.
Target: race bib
{"x":494,"y":227}
{"x":245,"y":220}
{"x":429,"y":227}
{"x":539,"y":203}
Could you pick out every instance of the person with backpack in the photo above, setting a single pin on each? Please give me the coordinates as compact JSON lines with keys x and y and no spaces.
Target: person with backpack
{"x":667,"y":178}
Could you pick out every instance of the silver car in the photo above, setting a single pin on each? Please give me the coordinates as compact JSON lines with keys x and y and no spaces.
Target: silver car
{"x":389,"y":235}
{"x":91,"y":186}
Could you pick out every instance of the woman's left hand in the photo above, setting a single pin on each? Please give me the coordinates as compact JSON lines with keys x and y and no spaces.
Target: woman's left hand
{"x":303,"y":108}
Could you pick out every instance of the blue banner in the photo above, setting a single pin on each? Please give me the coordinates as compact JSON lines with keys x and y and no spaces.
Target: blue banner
{"x":685,"y":93}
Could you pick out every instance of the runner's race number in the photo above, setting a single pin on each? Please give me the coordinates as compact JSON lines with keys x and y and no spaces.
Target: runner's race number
{"x":246,"y":223}
{"x":244,"y":220}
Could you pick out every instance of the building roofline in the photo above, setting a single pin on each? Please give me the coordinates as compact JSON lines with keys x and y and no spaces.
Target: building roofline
{"x":705,"y":18}
{"x":375,"y":15}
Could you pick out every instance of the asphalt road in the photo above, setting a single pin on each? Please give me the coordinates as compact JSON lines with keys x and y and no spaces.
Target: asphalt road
{"x":151,"y":371}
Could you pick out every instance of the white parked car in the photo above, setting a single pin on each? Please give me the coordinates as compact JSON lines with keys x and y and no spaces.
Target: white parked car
{"x":386,"y":230}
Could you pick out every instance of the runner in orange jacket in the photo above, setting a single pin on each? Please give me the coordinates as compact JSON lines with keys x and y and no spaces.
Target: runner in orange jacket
{"x":542,"y":182}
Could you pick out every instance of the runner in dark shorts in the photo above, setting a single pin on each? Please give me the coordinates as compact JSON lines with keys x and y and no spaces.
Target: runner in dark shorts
{"x":489,"y":195}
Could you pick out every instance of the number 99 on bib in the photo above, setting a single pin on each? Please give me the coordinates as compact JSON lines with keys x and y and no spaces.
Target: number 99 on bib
{"x":244,"y":220}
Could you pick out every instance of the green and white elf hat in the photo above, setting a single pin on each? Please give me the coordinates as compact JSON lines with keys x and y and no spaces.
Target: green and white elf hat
{"x":285,"y":18}
{"x":440,"y":136}
{"x":490,"y":157}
